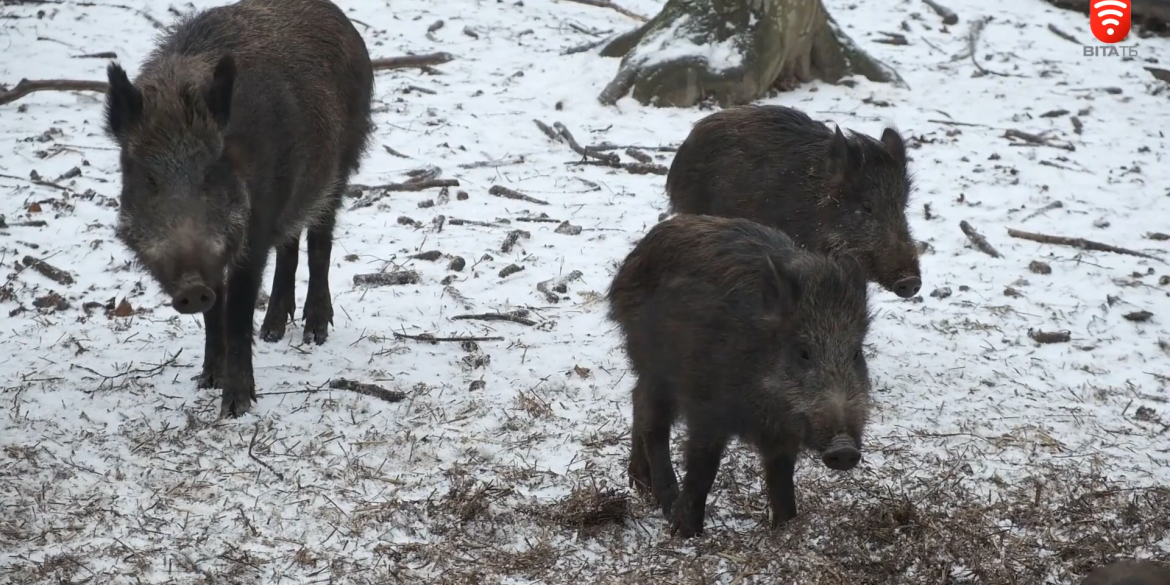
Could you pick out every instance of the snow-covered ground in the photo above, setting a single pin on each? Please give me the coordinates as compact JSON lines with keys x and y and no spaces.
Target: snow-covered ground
{"x":1036,"y":456}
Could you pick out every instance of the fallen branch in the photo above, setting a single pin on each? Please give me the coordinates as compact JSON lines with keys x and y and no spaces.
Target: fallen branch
{"x":48,"y":271}
{"x":973,"y":42}
{"x":513,"y":317}
{"x":410,"y":61}
{"x":552,"y":134}
{"x":396,"y":278}
{"x":27,"y":86}
{"x":130,"y":374}
{"x":611,"y":6}
{"x":252,"y":445}
{"x":1060,"y":33}
{"x":409,"y":185}
{"x":978,"y":240}
{"x":1049,"y":337}
{"x":949,"y":17}
{"x":29,"y":223}
{"x":612,"y":160}
{"x":427,"y":337}
{"x":502,"y":191}
{"x":1035,"y":139}
{"x":1077,"y":243}
{"x":549,"y":288}
{"x":1042,"y":210}
{"x":606,"y":146}
{"x":371,"y":390}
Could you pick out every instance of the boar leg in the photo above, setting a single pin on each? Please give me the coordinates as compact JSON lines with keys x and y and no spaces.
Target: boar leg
{"x":779,"y":466}
{"x":243,"y":287}
{"x":213,"y":343}
{"x":282,"y":303}
{"x":704,"y":448}
{"x":318,"y":302}
{"x":654,"y":412}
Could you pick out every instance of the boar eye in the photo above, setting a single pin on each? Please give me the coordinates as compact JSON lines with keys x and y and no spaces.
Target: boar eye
{"x":804,"y":355}
{"x":867,"y":207}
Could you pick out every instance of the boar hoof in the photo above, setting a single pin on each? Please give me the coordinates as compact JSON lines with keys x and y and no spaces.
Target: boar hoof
{"x":237,"y":399}
{"x":687,"y":520}
{"x":272,"y":331}
{"x":318,"y":317}
{"x":639,"y":473}
{"x":207,"y":379}
{"x":316,"y":334}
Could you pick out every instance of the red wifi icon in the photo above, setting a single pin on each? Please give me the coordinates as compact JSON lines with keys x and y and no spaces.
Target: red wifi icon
{"x":1110,"y":20}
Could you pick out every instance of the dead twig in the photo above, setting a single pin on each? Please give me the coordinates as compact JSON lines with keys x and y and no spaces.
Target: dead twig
{"x":1049,"y":336}
{"x":551,"y":287}
{"x":409,"y":185}
{"x":27,"y":86}
{"x":395,"y":278}
{"x":610,"y":159}
{"x":513,"y":317}
{"x":1078,"y":243}
{"x":1035,"y":139}
{"x":427,"y":337}
{"x":1043,"y":210}
{"x":371,"y":390}
{"x":948,"y":16}
{"x":973,"y":43}
{"x":611,"y":6}
{"x":1060,"y":33}
{"x":29,"y":223}
{"x":48,"y":270}
{"x":978,"y":240}
{"x":252,"y":455}
{"x":502,"y":191}
{"x":411,"y":61}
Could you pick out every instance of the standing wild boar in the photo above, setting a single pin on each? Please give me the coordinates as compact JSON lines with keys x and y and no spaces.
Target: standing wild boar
{"x":777,"y":166}
{"x":241,"y":130}
{"x":729,"y":325}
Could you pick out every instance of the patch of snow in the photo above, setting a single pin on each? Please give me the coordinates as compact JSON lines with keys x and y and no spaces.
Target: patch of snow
{"x":675,"y":42}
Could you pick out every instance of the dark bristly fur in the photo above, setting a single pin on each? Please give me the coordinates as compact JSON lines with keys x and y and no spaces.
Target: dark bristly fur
{"x":829,"y":192}
{"x":241,"y":130}
{"x":729,"y":325}
{"x":1129,"y":573}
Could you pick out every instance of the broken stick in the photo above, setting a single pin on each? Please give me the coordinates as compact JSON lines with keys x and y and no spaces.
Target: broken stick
{"x":949,"y":17}
{"x":48,"y":270}
{"x":611,"y":6}
{"x":27,"y":86}
{"x":409,"y":185}
{"x":1078,"y":243}
{"x":502,"y":191}
{"x":978,"y":240}
{"x":514,"y":317}
{"x":427,"y":337}
{"x":410,"y":61}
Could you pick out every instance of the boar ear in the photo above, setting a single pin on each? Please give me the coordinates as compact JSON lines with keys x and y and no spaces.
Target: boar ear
{"x":219,"y":90}
{"x":123,"y":102}
{"x":780,"y":290}
{"x":894,"y":145}
{"x":840,"y":157}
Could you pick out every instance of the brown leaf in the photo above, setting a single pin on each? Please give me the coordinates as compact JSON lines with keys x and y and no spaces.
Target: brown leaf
{"x":583,"y":372}
{"x":34,"y":208}
{"x":123,"y":309}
